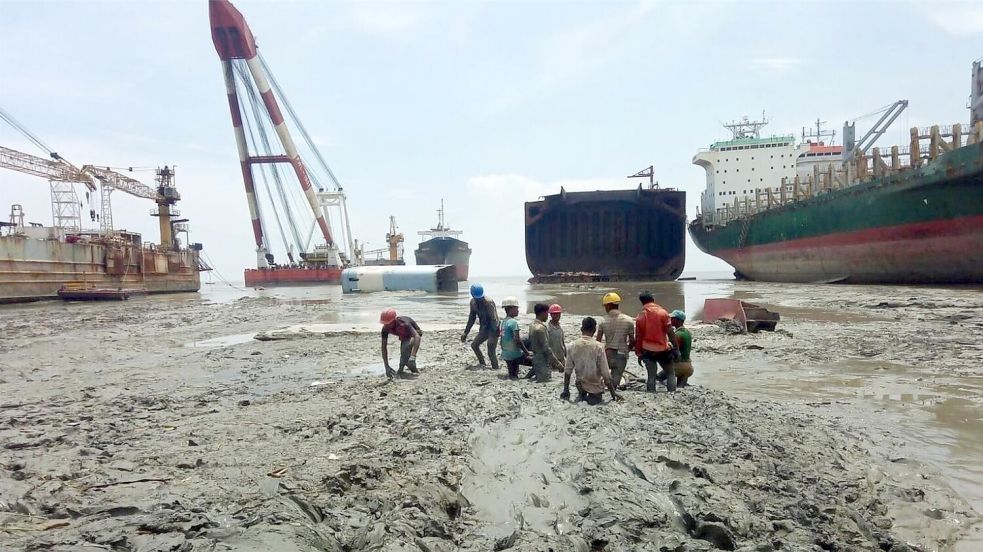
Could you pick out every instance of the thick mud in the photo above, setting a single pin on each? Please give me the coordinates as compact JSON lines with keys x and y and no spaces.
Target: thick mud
{"x":158,"y":425}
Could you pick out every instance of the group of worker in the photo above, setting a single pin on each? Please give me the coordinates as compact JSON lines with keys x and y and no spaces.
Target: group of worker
{"x":658,"y":338}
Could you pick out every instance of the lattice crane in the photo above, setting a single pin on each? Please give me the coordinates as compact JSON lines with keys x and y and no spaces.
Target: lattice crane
{"x":62,"y":177}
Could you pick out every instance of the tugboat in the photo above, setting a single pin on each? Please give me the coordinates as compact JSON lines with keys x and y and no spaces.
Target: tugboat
{"x":441,"y":246}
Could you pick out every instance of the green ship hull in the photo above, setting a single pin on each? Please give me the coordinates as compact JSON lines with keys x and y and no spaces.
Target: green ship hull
{"x":920,"y":226}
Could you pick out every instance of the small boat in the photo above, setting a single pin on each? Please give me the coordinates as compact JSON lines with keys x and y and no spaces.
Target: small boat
{"x":78,"y":291}
{"x":750,"y":317}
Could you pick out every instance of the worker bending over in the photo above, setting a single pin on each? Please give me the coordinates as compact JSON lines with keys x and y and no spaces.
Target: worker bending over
{"x":684,"y":342}
{"x":555,"y":332}
{"x":410,"y":335}
{"x":514,"y":351}
{"x":655,"y":343}
{"x":542,"y":355}
{"x":482,"y":310}
{"x":617,"y":333}
{"x":586,"y":357}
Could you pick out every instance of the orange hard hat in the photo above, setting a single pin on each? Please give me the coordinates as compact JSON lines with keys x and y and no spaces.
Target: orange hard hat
{"x":555,"y":308}
{"x":387,"y":316}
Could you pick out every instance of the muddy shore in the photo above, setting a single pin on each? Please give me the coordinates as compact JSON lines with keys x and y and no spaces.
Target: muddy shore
{"x":119,"y":433}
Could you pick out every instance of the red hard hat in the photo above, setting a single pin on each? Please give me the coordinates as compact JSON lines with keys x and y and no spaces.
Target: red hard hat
{"x":387,"y":316}
{"x":555,"y":308}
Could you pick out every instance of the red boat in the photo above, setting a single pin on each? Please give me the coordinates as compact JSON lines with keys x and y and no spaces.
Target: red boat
{"x":281,"y":276}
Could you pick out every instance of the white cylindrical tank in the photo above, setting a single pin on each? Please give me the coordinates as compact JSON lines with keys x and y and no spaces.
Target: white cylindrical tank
{"x":366,"y":279}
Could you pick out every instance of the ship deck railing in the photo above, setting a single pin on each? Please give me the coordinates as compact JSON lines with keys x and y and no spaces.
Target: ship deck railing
{"x":927,"y":145}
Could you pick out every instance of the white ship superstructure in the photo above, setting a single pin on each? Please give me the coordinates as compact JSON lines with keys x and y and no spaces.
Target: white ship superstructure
{"x":747,"y":163}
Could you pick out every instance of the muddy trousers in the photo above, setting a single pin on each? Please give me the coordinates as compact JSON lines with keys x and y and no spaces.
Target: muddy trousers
{"x":491,"y":336}
{"x":589,"y":398}
{"x":513,"y":365}
{"x":405,"y":350}
{"x":652,"y":361}
{"x":617,"y":362}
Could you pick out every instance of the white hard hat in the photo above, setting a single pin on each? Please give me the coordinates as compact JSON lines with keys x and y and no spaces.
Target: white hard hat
{"x":510,"y":301}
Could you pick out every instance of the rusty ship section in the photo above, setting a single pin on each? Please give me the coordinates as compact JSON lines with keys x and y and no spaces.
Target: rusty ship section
{"x":618,"y":235}
{"x":37,"y":261}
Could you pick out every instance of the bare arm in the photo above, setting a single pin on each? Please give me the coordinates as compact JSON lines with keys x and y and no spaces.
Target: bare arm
{"x":517,"y":338}
{"x":567,"y":370}
{"x":602,"y":361}
{"x":385,"y":354}
{"x":417,"y":337}
{"x":600,"y":334}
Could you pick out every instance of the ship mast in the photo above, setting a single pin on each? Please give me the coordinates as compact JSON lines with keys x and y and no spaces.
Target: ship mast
{"x":819,"y":134}
{"x":746,"y":128}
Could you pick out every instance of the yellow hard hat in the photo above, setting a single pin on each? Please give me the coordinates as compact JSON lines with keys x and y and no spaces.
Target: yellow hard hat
{"x":611,"y":297}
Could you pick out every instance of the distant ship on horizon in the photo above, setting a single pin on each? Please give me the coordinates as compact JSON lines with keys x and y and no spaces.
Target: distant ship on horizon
{"x":442,"y":246}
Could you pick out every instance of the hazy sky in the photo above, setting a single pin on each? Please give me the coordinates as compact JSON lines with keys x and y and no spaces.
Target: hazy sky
{"x":486,"y":104}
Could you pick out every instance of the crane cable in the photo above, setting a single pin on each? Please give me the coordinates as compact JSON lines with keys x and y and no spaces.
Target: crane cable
{"x":300,"y":126}
{"x":27,"y":133}
{"x":267,"y":150}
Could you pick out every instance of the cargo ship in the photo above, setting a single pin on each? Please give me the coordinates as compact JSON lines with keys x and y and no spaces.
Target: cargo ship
{"x":812,"y":212}
{"x":255,"y":98}
{"x":441,"y":246}
{"x":606,"y":236}
{"x":37,"y":261}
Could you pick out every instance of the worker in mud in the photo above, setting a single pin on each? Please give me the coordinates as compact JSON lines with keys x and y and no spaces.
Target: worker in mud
{"x":684,"y":343}
{"x":655,"y":343}
{"x":587,"y":358}
{"x":543,"y":359}
{"x":483,"y":310}
{"x":410,"y":335}
{"x":617,"y":333}
{"x":515,"y":353}
{"x":555,"y":332}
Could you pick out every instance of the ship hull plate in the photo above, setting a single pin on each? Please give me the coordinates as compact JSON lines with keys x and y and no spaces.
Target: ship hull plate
{"x":272,"y":277}
{"x":35,"y":269}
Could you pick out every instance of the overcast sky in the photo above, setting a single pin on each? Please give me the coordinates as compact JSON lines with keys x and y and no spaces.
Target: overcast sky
{"x":484,"y":104}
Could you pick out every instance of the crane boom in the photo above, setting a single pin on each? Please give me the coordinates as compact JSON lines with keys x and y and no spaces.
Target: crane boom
{"x":854,"y":148}
{"x":58,"y":170}
{"x":121,"y":182}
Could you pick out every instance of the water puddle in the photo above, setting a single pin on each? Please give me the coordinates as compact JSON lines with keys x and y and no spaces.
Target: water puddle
{"x":223,"y":341}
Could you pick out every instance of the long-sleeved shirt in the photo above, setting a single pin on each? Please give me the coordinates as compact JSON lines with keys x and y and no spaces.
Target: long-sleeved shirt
{"x":586,"y":357}
{"x":539,"y":340}
{"x":485,"y":314}
{"x":559,"y":348}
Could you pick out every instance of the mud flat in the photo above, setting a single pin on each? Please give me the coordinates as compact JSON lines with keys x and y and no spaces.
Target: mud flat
{"x":118,"y":433}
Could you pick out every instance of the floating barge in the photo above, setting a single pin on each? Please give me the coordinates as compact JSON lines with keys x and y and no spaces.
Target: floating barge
{"x":36,"y":262}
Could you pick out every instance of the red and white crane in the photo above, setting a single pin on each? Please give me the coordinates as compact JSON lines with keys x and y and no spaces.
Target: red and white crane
{"x":254,"y":102}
